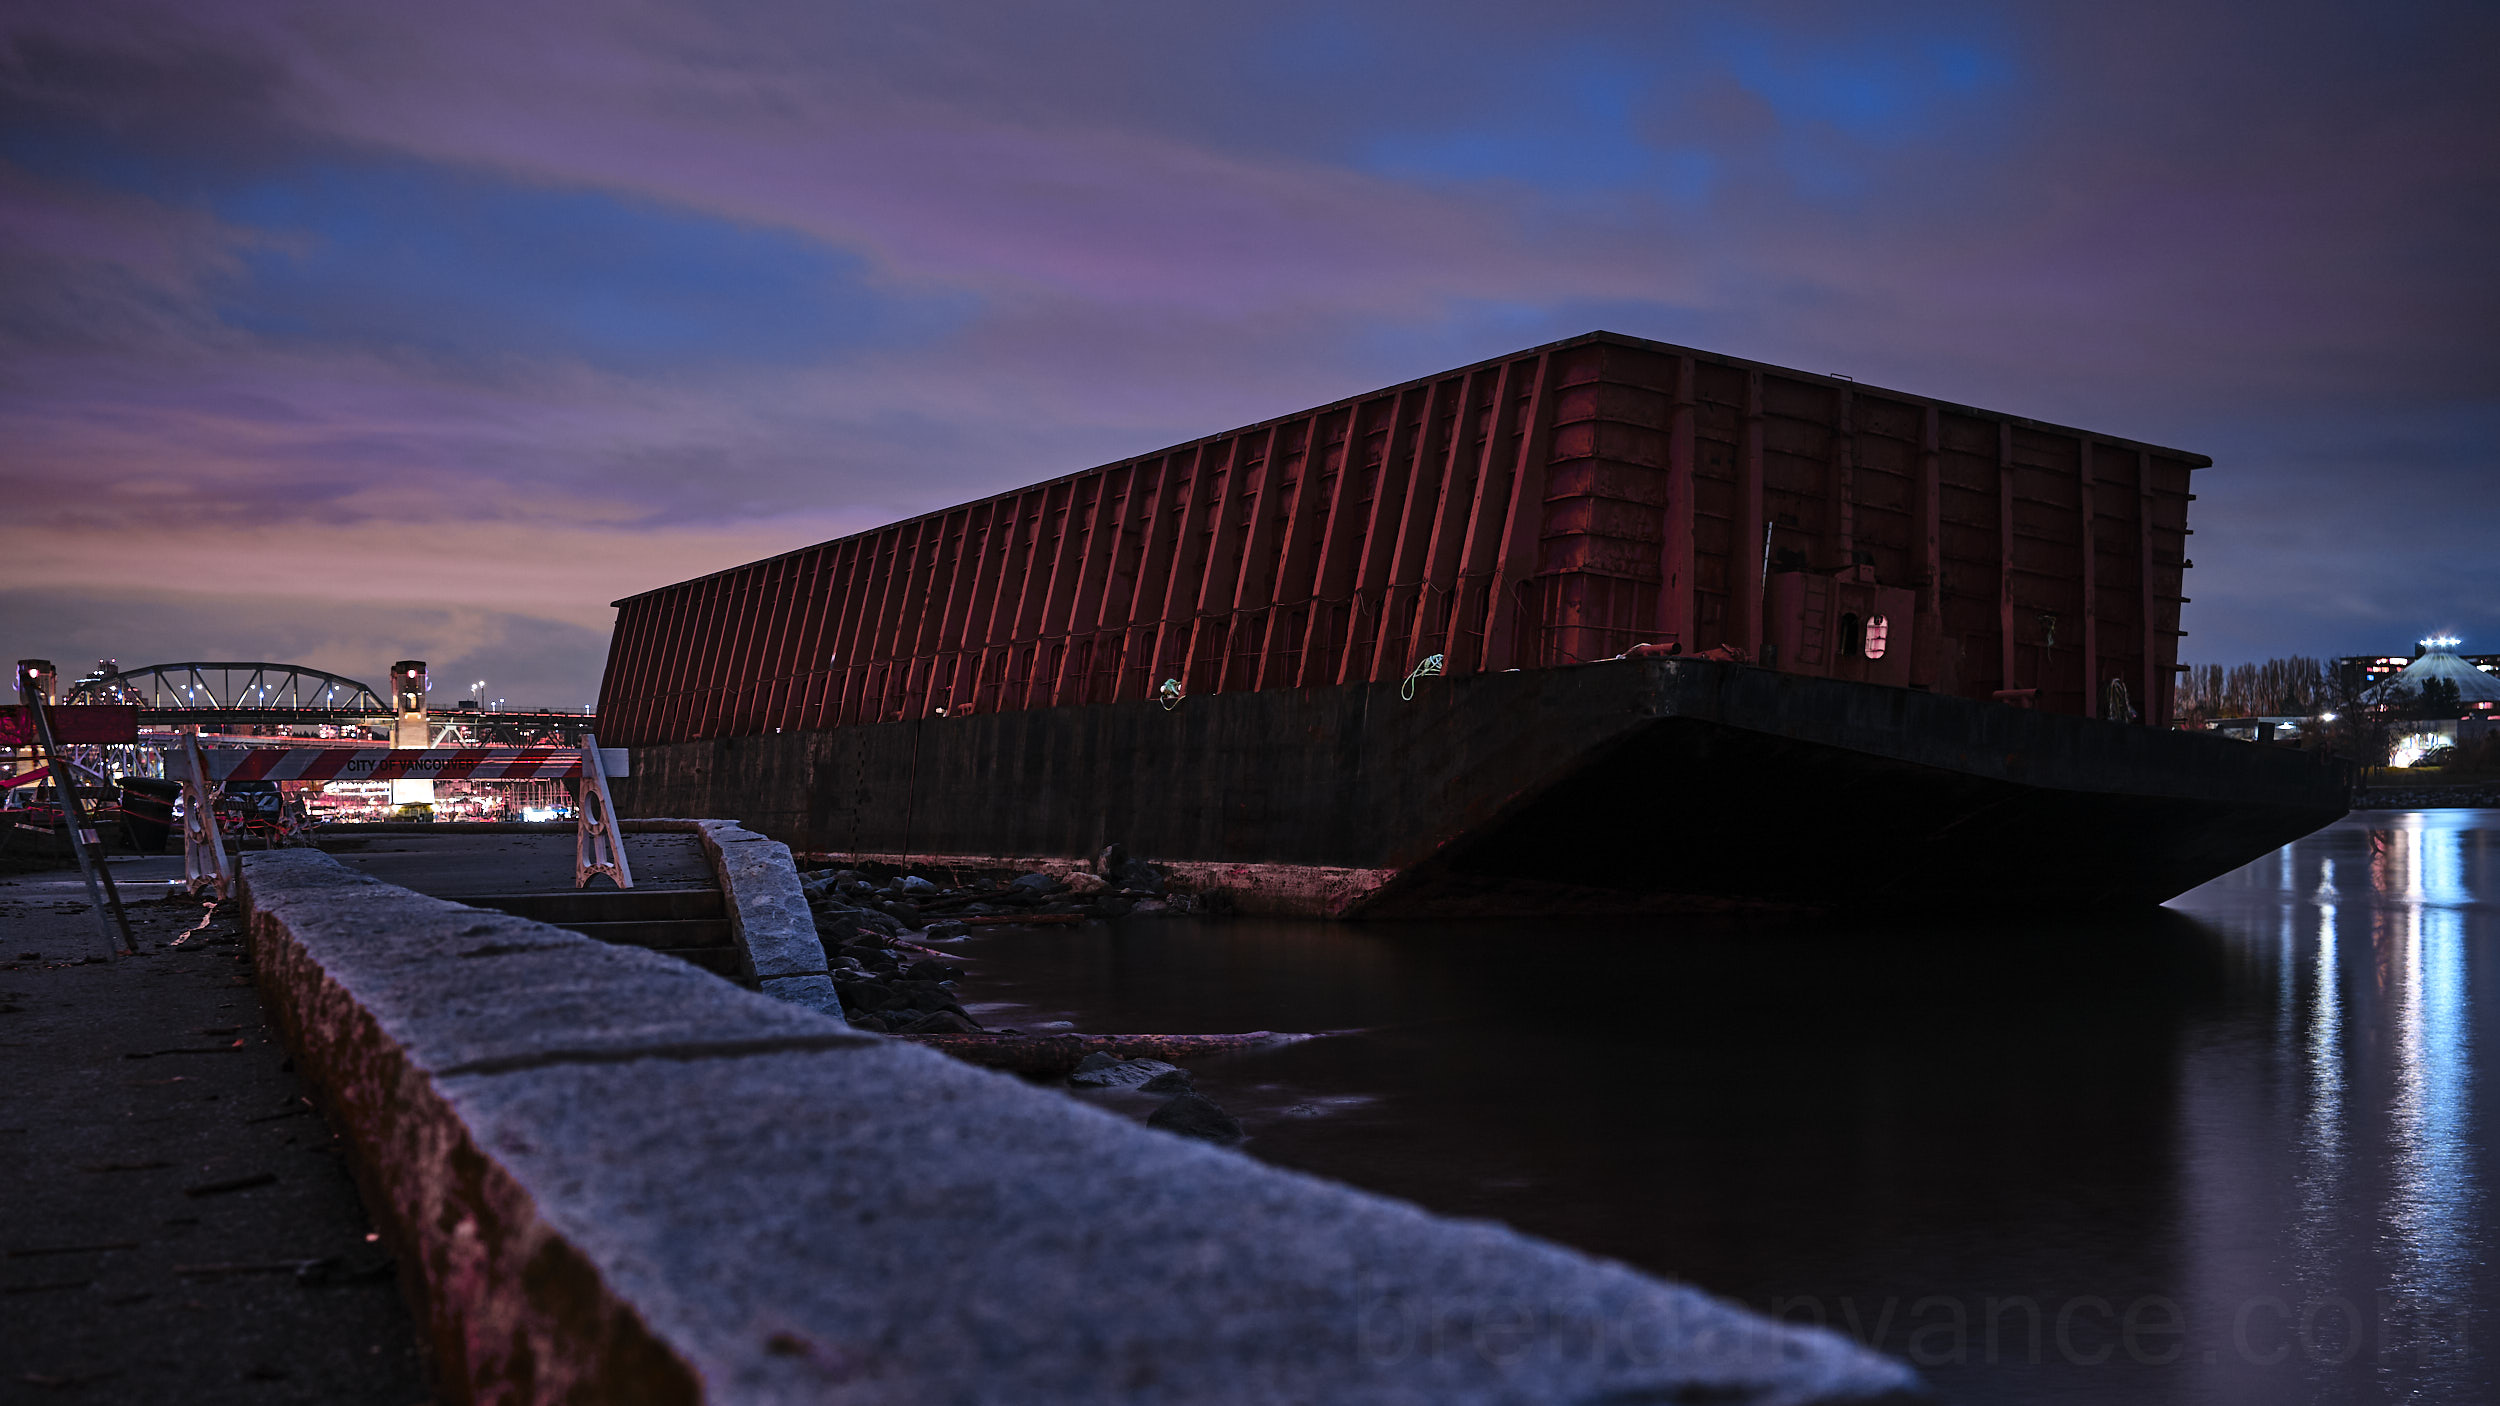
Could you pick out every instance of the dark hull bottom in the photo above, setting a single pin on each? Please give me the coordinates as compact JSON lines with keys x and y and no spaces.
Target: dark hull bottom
{"x":1661,"y":786}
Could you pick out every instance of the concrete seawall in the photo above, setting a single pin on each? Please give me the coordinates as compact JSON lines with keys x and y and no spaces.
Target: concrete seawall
{"x":609,"y":1176}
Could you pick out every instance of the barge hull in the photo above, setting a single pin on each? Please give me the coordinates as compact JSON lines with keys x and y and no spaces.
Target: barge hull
{"x":1672,"y":785}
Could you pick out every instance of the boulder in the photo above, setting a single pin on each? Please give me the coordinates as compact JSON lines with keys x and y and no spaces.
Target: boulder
{"x":1192,"y":1115}
{"x":1118,"y":1073}
{"x":1151,"y":908}
{"x":1084,"y":883}
{"x":948,"y":927}
{"x":1111,"y":905}
{"x":942,"y":1023}
{"x":1170,"y":1081}
{"x":867,"y":995}
{"x":913,"y":883}
{"x":932,"y":969}
{"x":1035,"y":884}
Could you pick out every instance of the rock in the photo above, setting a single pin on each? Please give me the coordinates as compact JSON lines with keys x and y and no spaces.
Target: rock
{"x":947,"y":927}
{"x":913,"y":883}
{"x":1118,"y":1073}
{"x":1094,"y":1061}
{"x":861,"y":1020}
{"x":1192,"y":1115}
{"x":1141,"y":878}
{"x":902,"y":913}
{"x":1034,"y":884}
{"x":926,"y":995}
{"x":1084,"y":883}
{"x":1150,"y":908}
{"x":1112,"y":860}
{"x":942,"y":1023}
{"x":833,"y":929}
{"x":867,"y":995}
{"x":1111,"y":905}
{"x":1173,"y":1081}
{"x":931,"y":969}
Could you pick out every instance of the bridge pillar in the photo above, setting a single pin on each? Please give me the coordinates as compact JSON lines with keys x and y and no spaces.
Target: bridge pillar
{"x":409,"y":682}
{"x":36,"y":675}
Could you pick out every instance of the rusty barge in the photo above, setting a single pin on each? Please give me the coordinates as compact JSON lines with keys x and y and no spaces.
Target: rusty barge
{"x":1604,"y":625}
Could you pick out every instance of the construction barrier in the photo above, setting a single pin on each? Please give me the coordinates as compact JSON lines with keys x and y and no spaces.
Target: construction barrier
{"x":394,"y":764}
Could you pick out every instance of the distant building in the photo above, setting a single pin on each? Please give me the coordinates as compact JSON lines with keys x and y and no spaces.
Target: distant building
{"x":2477,"y":676}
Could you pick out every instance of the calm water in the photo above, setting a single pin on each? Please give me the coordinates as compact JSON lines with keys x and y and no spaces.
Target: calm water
{"x":2240,"y":1150}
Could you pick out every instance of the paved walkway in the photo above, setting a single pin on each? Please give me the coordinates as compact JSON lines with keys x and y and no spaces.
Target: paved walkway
{"x":453,"y":864}
{"x":177,"y":1223}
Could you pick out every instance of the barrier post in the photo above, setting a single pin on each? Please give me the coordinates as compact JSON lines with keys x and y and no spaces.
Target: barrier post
{"x":598,"y":846}
{"x":203,"y":848}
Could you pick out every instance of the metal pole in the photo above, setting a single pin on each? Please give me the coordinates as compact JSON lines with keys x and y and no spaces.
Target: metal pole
{"x":105,"y":898}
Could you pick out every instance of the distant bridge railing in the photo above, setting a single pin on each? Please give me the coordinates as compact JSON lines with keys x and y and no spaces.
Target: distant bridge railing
{"x":225,"y":689}
{"x":255,"y":694}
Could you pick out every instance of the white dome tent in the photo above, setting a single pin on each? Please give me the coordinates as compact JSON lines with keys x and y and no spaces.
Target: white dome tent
{"x":2439,"y":661}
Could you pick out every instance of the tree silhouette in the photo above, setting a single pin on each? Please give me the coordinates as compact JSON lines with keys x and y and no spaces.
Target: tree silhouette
{"x":2438,"y":698}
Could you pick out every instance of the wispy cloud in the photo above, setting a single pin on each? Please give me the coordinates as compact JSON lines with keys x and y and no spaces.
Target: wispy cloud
{"x":520,"y":309}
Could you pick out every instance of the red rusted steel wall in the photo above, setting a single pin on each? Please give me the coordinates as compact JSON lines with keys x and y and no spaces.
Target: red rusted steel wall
{"x":1547,"y":508}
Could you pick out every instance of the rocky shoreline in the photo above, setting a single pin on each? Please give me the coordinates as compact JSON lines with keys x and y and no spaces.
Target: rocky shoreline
{"x":877,"y":923}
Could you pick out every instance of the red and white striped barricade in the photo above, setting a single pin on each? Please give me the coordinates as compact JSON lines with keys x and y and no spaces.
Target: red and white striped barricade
{"x":598,"y":846}
{"x":408,"y":764}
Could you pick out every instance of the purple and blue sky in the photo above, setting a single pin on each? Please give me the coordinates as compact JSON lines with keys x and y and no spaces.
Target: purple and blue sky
{"x":336,"y":334}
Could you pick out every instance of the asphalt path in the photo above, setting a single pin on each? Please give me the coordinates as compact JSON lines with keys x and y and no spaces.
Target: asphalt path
{"x":177,"y":1224}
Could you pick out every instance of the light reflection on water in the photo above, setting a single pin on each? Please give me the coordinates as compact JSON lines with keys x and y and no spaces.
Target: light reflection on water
{"x":2432,"y":1219}
{"x":2022,"y":1152}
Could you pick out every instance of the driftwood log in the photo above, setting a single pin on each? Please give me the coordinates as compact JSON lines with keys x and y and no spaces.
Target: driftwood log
{"x":1056,"y":1056}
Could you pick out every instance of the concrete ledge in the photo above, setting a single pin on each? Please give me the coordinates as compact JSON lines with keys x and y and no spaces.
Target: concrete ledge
{"x":768,"y":915}
{"x":611,"y":1176}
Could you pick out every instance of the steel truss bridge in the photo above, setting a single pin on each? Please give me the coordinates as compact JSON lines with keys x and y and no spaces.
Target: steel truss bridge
{"x":225,"y":694}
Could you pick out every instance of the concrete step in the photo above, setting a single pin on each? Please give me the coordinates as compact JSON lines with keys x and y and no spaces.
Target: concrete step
{"x":722,"y":961}
{"x":665,"y":934}
{"x":567,"y":907}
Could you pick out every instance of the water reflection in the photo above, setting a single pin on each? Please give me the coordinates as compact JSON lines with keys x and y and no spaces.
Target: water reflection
{"x":2012,"y":1151}
{"x":2317,"y":1232}
{"x":2432,"y":1223}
